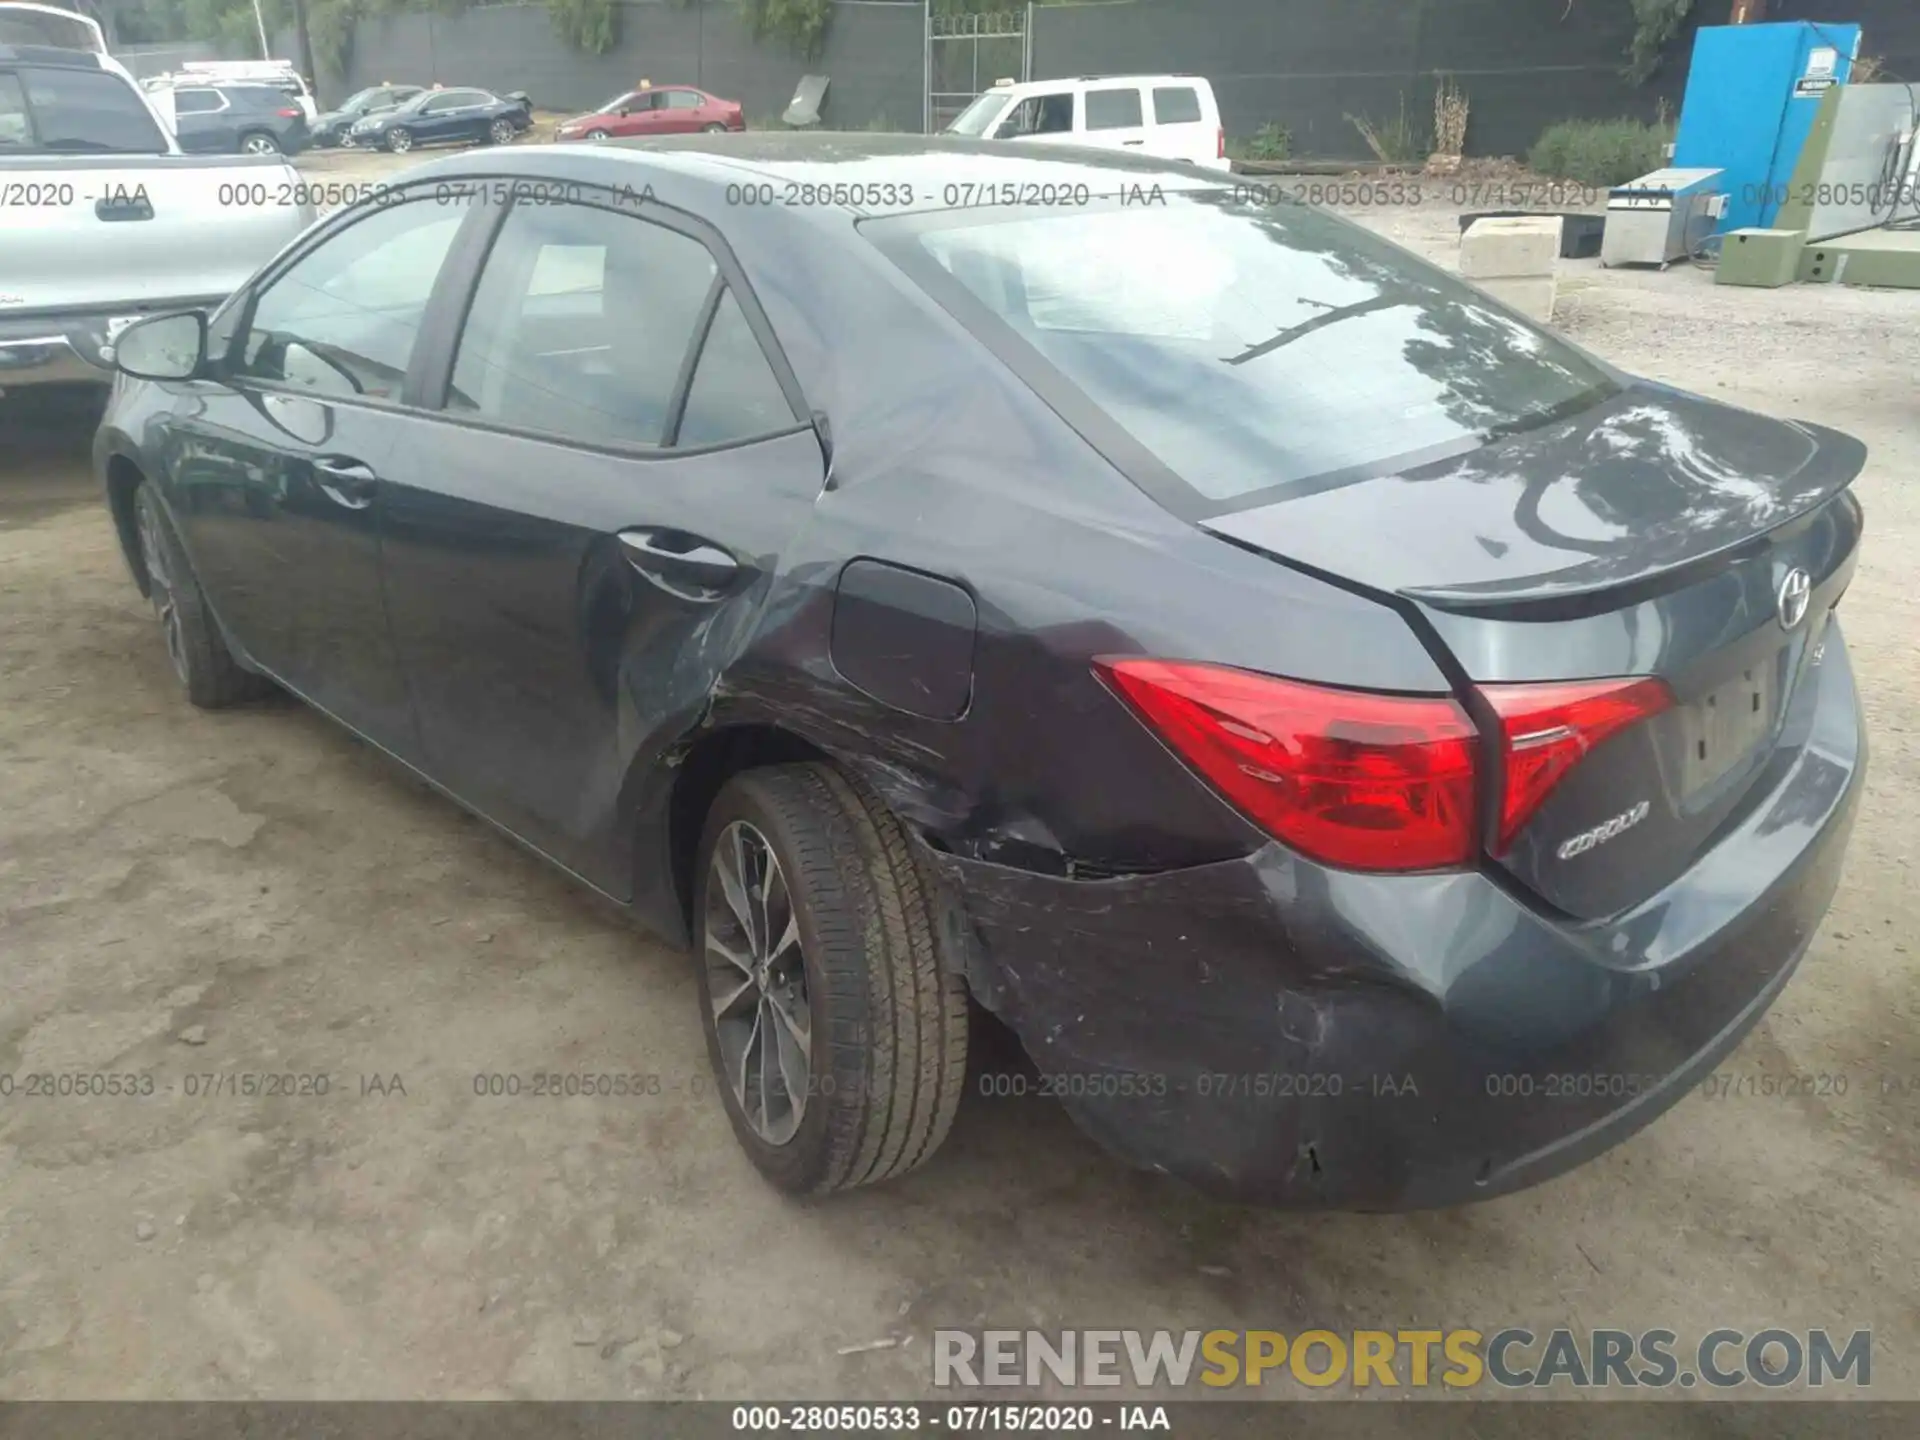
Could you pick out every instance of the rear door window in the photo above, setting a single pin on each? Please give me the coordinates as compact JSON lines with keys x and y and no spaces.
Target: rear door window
{"x":75,"y":112}
{"x":197,"y":102}
{"x":1176,"y":105}
{"x":1117,"y":109}
{"x":734,"y":395}
{"x":580,"y":325}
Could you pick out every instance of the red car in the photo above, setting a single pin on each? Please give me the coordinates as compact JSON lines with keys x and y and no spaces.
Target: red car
{"x":655,"y":110}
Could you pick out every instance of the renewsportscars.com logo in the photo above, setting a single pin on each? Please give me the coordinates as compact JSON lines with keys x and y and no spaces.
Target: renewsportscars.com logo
{"x":1512,"y":1358}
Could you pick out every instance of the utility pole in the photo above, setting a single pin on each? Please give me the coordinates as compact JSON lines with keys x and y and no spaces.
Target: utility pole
{"x":306,"y":44}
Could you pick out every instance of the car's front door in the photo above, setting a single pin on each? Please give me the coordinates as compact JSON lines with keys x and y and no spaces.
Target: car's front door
{"x":439,"y":118}
{"x":581,"y":542}
{"x":1047,"y":118}
{"x":275,"y":464}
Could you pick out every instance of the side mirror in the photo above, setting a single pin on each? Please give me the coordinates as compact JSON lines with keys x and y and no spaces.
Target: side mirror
{"x":625,"y":110}
{"x":165,"y":347}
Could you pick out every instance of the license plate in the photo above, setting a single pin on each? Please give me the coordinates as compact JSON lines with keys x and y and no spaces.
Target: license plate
{"x":1726,"y":725}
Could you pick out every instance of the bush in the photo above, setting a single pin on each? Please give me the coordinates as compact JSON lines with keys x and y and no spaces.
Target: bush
{"x":1398,"y":141}
{"x":1272,"y":141}
{"x":1600,"y":152}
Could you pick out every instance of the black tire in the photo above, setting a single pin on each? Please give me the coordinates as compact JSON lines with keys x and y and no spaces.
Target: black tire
{"x":259,"y":142}
{"x":714,"y":129}
{"x":206,"y":669}
{"x":888,"y":1061}
{"x":398,"y":140}
{"x":596,"y":135}
{"x":502,"y":131}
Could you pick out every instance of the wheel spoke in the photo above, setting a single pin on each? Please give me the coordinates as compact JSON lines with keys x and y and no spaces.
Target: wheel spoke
{"x":763,"y":931}
{"x":741,"y":1087}
{"x":771,"y":1078}
{"x":797,"y":1028}
{"x":730,"y":860}
{"x":723,"y":1004}
{"x":726,"y":952}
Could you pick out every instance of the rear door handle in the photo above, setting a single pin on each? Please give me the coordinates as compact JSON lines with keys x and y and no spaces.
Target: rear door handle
{"x":679,"y":559}
{"x":1133,"y":142}
{"x":123,"y":207}
{"x":345,"y":481}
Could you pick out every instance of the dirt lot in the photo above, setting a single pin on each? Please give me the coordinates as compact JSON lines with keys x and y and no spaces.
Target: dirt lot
{"x":184,"y":894}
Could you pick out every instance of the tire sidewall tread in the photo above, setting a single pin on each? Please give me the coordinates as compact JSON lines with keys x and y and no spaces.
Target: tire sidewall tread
{"x":893,"y":1019}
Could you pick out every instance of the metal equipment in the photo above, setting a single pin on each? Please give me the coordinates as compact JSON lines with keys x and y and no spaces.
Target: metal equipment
{"x":1662,"y":217}
{"x":1752,"y":94}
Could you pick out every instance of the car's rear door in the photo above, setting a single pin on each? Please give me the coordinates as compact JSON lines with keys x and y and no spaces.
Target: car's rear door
{"x":580,"y":543}
{"x":680,"y":112}
{"x":274,"y":468}
{"x":203,"y":120}
{"x":1112,"y":117}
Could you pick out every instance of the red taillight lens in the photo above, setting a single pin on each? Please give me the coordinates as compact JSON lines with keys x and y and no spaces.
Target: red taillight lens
{"x":1364,"y":781}
{"x":288,"y":114}
{"x":1220,"y":143}
{"x":1545,"y":730}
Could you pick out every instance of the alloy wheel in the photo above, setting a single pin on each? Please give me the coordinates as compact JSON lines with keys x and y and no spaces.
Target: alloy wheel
{"x":756,"y":982}
{"x":399,"y":141}
{"x":160,"y":589}
{"x":596,"y":134}
{"x":502,"y":131}
{"x":259,"y":145}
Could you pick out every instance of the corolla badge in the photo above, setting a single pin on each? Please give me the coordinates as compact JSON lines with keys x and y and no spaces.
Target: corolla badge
{"x":1600,"y":834}
{"x":1795,"y":591}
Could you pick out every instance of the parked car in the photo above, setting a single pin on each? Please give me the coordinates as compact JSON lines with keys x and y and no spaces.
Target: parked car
{"x":236,"y":120}
{"x":106,"y":220}
{"x":1173,"y":116}
{"x":280,"y":74}
{"x":438,"y":117}
{"x":656,"y":110}
{"x":1374,"y":753}
{"x":331,"y":127}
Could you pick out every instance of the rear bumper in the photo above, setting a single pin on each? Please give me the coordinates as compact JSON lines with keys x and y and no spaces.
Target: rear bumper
{"x":1276,"y":1032}
{"x":68,"y":348}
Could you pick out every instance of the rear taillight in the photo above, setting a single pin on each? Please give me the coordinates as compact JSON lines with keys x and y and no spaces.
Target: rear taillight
{"x":287,"y":114}
{"x":1220,"y":143}
{"x":1545,"y":730}
{"x":1348,"y":777}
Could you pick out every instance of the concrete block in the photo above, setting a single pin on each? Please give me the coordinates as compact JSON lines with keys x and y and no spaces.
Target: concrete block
{"x":1531,"y":295}
{"x":1510,"y":246}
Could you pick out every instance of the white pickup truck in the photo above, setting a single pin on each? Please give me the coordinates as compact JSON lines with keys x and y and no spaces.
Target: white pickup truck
{"x":103,"y":220}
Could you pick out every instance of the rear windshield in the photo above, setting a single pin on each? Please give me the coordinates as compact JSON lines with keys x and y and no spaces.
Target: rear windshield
{"x":58,"y":111}
{"x":1250,"y":347}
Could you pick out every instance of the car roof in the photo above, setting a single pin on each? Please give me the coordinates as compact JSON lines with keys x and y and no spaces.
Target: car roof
{"x":841,"y":163}
{"x":55,"y":56}
{"x":1068,"y":80}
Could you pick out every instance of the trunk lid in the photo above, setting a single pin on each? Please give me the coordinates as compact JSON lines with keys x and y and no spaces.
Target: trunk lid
{"x":105,"y":232}
{"x":1658,"y":534}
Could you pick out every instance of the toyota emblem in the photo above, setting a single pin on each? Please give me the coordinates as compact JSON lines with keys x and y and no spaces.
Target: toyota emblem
{"x":1795,"y":591}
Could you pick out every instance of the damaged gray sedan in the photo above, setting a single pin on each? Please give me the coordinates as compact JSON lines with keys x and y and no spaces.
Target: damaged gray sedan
{"x":1373,"y":754}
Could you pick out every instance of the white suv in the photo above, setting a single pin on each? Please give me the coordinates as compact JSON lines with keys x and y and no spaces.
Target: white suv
{"x":1172,"y":116}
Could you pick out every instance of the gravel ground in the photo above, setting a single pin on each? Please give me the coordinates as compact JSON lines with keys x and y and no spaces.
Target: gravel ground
{"x":184,"y":894}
